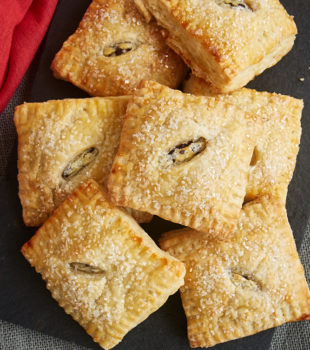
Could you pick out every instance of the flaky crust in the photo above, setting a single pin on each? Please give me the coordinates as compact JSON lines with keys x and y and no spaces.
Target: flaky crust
{"x":81,"y":59}
{"x":238,"y":288}
{"x":50,"y":135}
{"x":130,"y":276}
{"x":227,"y":46}
{"x":274,"y":158}
{"x":206,"y":192}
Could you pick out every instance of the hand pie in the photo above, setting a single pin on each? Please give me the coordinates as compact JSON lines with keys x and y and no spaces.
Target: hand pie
{"x":238,"y":288}
{"x":274,"y":156}
{"x":225,"y":42}
{"x":113,"y":49}
{"x":100,"y":266}
{"x":184,"y":158}
{"x":60,"y":144}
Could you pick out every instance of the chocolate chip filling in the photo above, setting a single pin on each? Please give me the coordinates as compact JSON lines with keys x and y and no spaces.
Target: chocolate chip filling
{"x":244,"y":279}
{"x":185,"y":152}
{"x":86,"y":268}
{"x":119,"y":49}
{"x":235,"y":4}
{"x":80,"y":162}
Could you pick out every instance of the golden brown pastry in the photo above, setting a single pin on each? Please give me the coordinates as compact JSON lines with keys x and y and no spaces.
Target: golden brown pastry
{"x":184,"y":158}
{"x":60,"y":144}
{"x":113,"y":49}
{"x":100,"y":266}
{"x":225,"y":42}
{"x":238,"y":288}
{"x":274,"y":157}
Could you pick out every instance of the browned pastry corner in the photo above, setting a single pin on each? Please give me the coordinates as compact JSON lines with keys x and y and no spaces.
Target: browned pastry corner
{"x":113,"y":49}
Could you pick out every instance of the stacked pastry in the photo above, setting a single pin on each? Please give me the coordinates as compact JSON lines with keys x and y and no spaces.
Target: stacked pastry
{"x":217,"y":163}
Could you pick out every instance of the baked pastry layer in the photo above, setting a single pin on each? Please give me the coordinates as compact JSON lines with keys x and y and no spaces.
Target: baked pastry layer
{"x":113,"y":49}
{"x":184,"y":158}
{"x":244,"y":286}
{"x":100,"y":266}
{"x":60,"y":144}
{"x":274,"y":157}
{"x":225,"y":42}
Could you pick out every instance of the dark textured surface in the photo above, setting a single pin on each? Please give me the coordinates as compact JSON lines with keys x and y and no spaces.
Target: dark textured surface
{"x":23,"y":296}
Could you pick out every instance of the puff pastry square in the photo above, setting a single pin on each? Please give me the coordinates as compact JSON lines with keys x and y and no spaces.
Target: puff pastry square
{"x":275,"y":153}
{"x":113,"y":49}
{"x":225,"y":42}
{"x":238,"y":288}
{"x":60,"y":144}
{"x":184,"y":158}
{"x":100,"y":266}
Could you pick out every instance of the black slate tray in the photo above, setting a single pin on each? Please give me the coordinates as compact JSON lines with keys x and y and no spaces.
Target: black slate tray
{"x":23,"y":297}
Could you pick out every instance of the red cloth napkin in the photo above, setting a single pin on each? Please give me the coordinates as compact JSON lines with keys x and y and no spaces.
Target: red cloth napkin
{"x":23,"y":24}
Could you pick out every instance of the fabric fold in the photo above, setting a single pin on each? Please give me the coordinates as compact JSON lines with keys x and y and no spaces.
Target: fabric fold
{"x":23,"y":25}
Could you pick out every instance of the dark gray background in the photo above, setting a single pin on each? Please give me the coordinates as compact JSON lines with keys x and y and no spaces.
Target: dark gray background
{"x":23,"y":296}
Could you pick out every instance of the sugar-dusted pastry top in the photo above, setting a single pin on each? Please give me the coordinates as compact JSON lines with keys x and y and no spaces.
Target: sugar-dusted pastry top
{"x":113,"y":49}
{"x":100,"y":266}
{"x":184,"y":158}
{"x":237,"y":288}
{"x":275,"y":153}
{"x":60,"y":144}
{"x":225,"y":42}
